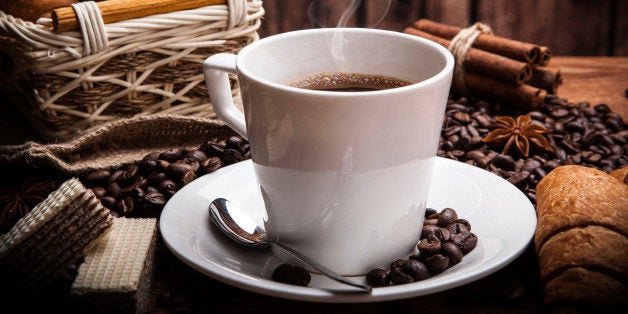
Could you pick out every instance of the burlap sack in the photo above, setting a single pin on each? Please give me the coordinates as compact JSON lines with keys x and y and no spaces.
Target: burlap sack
{"x":116,"y":143}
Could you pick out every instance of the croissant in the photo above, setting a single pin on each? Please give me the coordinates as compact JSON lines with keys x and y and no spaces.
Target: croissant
{"x":581,"y":239}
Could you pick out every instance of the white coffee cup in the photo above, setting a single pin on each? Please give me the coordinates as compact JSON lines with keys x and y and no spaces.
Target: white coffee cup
{"x":344,"y":175}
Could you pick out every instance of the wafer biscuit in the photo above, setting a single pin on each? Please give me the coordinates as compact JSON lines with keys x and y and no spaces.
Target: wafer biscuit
{"x":117,"y":272}
{"x":51,"y":238}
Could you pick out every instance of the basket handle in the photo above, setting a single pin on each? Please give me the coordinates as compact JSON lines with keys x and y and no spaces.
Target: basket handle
{"x":237,"y":13}
{"x":92,"y":27}
{"x":215,"y":70}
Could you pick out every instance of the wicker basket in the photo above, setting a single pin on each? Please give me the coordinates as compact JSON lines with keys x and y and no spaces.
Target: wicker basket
{"x":76,"y":80}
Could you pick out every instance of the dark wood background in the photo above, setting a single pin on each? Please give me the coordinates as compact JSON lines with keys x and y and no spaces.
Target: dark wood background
{"x":567,"y":27}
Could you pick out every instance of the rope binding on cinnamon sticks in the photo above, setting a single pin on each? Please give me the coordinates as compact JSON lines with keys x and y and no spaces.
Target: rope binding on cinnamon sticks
{"x":459,"y":46}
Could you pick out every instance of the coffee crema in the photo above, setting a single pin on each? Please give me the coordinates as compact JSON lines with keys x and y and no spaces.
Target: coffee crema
{"x":347,"y":82}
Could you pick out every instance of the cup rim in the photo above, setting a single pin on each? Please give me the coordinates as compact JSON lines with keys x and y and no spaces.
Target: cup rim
{"x":446,"y":70}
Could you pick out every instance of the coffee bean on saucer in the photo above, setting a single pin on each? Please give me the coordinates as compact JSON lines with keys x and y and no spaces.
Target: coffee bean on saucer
{"x":398,"y":277}
{"x":415,"y":269}
{"x":398,"y":264}
{"x":294,"y":275}
{"x":466,"y":241}
{"x":453,"y":252}
{"x":436,"y":264}
{"x":429,"y":247}
{"x":377,"y":278}
{"x":429,"y":211}
{"x":447,"y":216}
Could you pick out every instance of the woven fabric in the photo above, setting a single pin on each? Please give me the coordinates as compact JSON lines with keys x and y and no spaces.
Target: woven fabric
{"x":117,"y":143}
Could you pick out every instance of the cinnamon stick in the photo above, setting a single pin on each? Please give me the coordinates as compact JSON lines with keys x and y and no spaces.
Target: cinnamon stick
{"x":64,"y":19}
{"x":490,"y":64}
{"x":543,"y":57}
{"x":546,"y":78}
{"x":524,"y":96}
{"x":499,"y":45}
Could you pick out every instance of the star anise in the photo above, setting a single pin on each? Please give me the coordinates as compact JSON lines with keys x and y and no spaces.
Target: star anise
{"x":521,"y":132}
{"x":15,"y":203}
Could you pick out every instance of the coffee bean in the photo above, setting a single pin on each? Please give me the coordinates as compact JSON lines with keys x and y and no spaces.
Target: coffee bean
{"x":139,"y":182}
{"x":97,"y":176}
{"x":464,"y":222}
{"x":466,"y":241}
{"x":428,"y":229}
{"x":148,"y":165}
{"x":212,"y":149}
{"x":293,"y":275}
{"x":114,"y":190}
{"x":519,"y":178}
{"x":433,"y":216}
{"x":177,"y":169}
{"x":234,"y":142}
{"x":108,"y":201}
{"x":504,"y":162}
{"x":530,"y":165}
{"x":602,"y":108}
{"x":398,"y":264}
{"x":139,"y":194}
{"x":154,"y":156}
{"x":171,"y":155}
{"x":428,"y":248}
{"x":575,"y":126}
{"x":197,"y":155}
{"x":447,"y":216}
{"x":230,"y":156}
{"x":415,"y":269}
{"x":456,"y":228}
{"x":440,"y":234}
{"x":377,"y":278}
{"x":474,"y":155}
{"x":156,"y":177}
{"x":130,"y":173}
{"x":168,"y":187}
{"x":452,"y":252}
{"x":155,"y":198}
{"x":398,"y":277}
{"x":99,"y":191}
{"x":124,"y":206}
{"x":210,"y":165}
{"x":187,"y":178}
{"x":431,"y":222}
{"x":191,"y":162}
{"x":447,"y":146}
{"x":436,"y":264}
{"x":115,"y":176}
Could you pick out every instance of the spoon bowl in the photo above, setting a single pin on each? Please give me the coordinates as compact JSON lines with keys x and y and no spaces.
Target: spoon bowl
{"x":242,"y":229}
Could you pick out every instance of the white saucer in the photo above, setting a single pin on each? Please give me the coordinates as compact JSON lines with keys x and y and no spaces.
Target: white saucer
{"x":500,"y":215}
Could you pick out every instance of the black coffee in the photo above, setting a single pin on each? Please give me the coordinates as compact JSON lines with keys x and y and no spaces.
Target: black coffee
{"x":347,"y":82}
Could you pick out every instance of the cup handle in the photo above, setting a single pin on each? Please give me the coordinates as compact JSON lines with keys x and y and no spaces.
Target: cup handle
{"x":215,"y":70}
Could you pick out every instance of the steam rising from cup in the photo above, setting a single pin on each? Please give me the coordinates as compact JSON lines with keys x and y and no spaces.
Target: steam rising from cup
{"x":324,"y":13}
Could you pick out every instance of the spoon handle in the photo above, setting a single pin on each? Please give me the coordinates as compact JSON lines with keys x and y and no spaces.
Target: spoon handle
{"x":326,"y":271}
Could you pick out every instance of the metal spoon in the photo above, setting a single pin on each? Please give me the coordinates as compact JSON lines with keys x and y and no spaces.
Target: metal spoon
{"x":241,"y":228}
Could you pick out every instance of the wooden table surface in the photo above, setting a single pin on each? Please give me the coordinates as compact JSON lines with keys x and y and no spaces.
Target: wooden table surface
{"x":596,"y":80}
{"x":515,"y":288}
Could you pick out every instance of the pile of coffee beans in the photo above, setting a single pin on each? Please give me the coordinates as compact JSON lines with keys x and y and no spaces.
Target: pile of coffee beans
{"x":445,"y":239}
{"x":142,"y":189}
{"x":581,"y":134}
